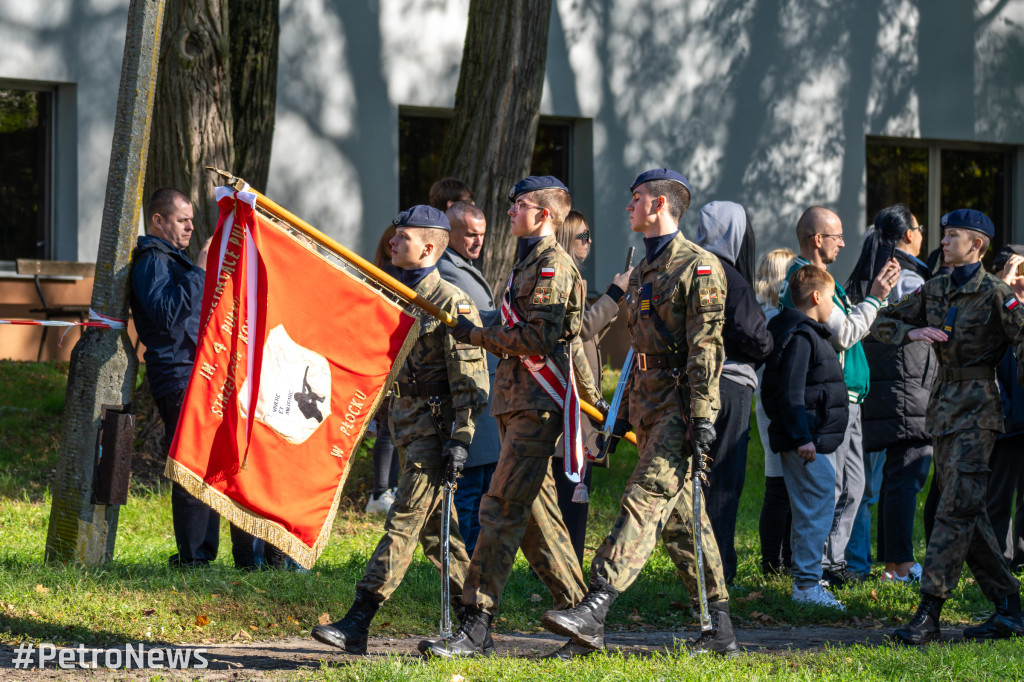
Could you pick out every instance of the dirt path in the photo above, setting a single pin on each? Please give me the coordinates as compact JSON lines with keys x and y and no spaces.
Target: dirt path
{"x":261,"y":660}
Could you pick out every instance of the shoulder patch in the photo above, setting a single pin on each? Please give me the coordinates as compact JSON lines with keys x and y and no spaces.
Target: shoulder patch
{"x":703,"y":270}
{"x":1012,"y":303}
{"x":465,"y":309}
{"x":541,"y":296}
{"x":547,"y":272}
{"x":708,"y":297}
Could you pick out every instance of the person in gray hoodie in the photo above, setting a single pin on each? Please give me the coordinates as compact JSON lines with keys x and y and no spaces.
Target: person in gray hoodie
{"x":724,"y":230}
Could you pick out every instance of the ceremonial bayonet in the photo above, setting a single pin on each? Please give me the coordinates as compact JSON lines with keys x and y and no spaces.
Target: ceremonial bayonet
{"x":446,"y":533}
{"x":699,"y":476}
{"x":601,"y":459}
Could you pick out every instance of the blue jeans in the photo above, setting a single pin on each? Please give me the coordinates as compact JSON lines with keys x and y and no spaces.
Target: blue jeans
{"x":858,"y":550}
{"x":812,"y":499}
{"x":473,"y":483}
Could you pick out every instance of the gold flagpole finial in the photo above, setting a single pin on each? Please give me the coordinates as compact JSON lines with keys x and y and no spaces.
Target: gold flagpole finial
{"x":235,"y":181}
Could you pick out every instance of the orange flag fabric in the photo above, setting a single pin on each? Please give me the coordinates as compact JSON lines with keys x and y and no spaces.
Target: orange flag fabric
{"x":296,"y":350}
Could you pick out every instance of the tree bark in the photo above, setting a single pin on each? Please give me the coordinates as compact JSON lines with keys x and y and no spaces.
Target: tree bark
{"x":103,"y":363}
{"x":192,"y":122}
{"x":497,"y":107}
{"x":254,"y":45}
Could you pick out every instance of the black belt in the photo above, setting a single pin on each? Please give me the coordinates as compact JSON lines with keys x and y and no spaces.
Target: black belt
{"x":428,"y":389}
{"x":966,"y":373}
{"x":646,"y":361}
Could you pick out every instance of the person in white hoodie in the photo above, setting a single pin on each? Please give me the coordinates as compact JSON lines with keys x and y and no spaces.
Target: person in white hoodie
{"x":724,"y":230}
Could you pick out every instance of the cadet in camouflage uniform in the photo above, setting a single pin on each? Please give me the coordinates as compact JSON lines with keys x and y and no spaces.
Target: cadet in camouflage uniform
{"x":970,"y":317}
{"x":521,"y":507}
{"x":676,"y":300}
{"x":433,"y":438}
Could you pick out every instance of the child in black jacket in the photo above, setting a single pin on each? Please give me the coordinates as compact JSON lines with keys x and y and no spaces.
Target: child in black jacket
{"x":806,"y":401}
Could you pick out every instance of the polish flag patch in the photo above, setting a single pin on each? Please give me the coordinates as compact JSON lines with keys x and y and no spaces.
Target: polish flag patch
{"x":464,"y":309}
{"x":547,"y":272}
{"x":703,"y":270}
{"x":1012,"y":303}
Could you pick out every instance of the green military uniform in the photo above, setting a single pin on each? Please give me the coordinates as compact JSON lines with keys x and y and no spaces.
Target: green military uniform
{"x":521,"y":506}
{"x":456,"y":373}
{"x":684,"y":287}
{"x":981,"y":318}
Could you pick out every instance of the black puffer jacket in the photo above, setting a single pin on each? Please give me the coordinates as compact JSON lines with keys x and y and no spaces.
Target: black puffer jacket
{"x":901,"y":381}
{"x":803,"y":389}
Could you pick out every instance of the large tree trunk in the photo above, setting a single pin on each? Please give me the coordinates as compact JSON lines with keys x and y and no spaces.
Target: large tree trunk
{"x":103,"y":363}
{"x":192,"y":122}
{"x":254,"y":41}
{"x":497,"y":107}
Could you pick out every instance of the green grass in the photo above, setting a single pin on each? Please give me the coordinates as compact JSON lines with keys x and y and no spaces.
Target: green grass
{"x":138,"y":597}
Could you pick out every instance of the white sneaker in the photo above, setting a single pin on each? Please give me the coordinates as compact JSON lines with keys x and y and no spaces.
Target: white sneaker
{"x":818,"y":596}
{"x":381,"y":504}
{"x":913,"y":575}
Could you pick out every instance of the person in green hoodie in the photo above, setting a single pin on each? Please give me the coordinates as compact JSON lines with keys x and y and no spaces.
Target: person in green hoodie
{"x":820,"y":235}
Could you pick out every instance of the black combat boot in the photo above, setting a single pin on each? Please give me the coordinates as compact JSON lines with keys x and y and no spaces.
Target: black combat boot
{"x":720,"y":638}
{"x":473,"y":638}
{"x":1007,"y":621}
{"x":584,"y":623}
{"x":924,"y":626}
{"x":460,"y":615}
{"x":350,"y":633}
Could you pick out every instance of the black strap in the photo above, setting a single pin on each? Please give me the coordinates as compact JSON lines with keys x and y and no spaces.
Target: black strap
{"x":426,"y":389}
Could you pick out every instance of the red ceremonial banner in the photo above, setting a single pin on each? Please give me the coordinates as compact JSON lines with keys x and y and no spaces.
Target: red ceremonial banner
{"x":295,"y":353}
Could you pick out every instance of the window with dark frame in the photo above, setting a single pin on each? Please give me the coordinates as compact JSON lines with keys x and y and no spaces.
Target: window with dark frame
{"x":421,"y":143}
{"x":969,"y":176}
{"x":26,"y":131}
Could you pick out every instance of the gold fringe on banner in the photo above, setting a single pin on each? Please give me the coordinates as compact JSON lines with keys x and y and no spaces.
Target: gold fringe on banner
{"x":250,"y":521}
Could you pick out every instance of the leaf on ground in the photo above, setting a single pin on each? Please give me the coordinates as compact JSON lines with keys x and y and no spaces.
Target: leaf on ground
{"x":752,"y":596}
{"x":324,"y":619}
{"x":258,"y":590}
{"x":202,"y":620}
{"x":148,"y":612}
{"x":874,"y":596}
{"x":32,"y":613}
{"x":535,"y":597}
{"x":241,"y":634}
{"x":42,"y":589}
{"x":458,"y":678}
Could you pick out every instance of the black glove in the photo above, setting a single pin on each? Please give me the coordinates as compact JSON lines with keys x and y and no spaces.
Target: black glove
{"x":602,"y":407}
{"x":703,"y":433}
{"x":455,"y":454}
{"x":462,"y":329}
{"x":620,"y":429}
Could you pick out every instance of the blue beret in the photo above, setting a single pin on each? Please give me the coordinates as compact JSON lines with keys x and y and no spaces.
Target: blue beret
{"x":535,"y":182}
{"x":971,"y":219}
{"x":422,"y":216}
{"x":659,"y":174}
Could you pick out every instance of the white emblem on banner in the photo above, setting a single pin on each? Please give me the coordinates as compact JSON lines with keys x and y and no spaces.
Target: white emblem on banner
{"x":295,"y":388}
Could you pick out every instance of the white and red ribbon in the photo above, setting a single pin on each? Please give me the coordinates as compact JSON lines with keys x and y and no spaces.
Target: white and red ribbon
{"x":562,"y":390}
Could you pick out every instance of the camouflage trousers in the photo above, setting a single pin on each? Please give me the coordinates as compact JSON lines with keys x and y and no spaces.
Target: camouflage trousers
{"x":962,"y":530}
{"x":658,"y":501}
{"x":520,"y":510}
{"x":415,"y":517}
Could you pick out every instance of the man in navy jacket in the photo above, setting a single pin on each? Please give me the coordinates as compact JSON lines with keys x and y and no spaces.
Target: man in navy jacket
{"x":167,"y":294}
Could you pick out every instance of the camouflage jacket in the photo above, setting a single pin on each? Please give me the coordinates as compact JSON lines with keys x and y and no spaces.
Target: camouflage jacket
{"x":438,"y":359}
{"x":548,"y":296}
{"x":984,"y":317}
{"x":686,"y":286}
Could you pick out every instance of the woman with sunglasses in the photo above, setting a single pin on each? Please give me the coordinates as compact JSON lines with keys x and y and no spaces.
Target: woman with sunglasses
{"x":575,"y":238}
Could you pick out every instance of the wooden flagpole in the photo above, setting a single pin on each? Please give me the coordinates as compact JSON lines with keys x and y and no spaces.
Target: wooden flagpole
{"x":366,"y":266}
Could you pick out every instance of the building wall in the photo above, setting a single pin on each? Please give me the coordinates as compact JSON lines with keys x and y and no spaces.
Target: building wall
{"x":764,"y":102}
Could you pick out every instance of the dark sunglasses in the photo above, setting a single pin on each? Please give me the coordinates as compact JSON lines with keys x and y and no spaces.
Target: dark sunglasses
{"x":584,"y":237}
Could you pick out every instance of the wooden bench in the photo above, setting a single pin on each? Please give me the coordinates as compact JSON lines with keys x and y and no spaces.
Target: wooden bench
{"x":41,"y":270}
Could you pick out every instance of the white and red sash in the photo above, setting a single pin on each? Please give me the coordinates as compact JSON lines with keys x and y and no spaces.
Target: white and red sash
{"x":562,"y":390}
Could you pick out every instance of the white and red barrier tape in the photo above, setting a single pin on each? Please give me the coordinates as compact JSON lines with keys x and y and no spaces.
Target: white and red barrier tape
{"x":95,"y":320}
